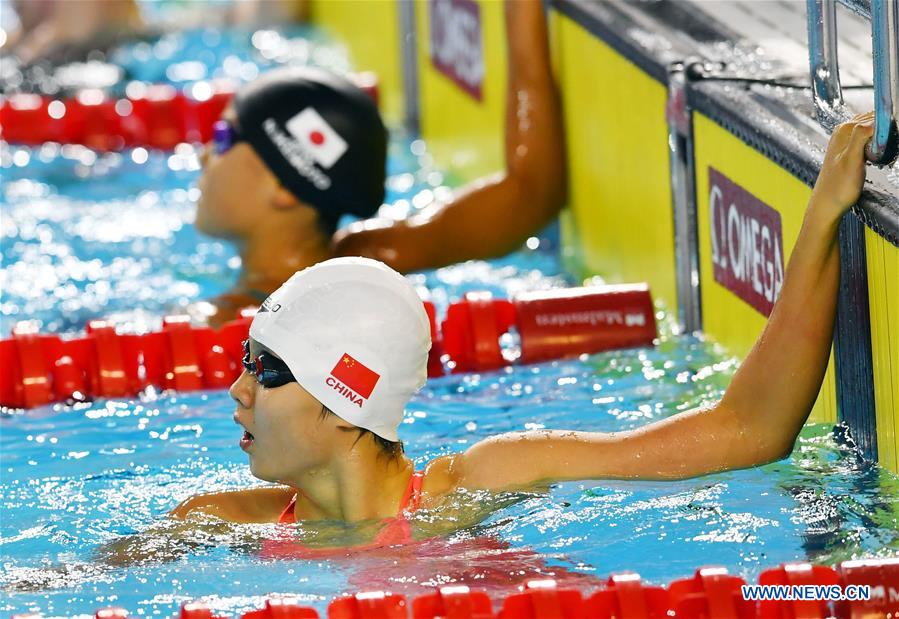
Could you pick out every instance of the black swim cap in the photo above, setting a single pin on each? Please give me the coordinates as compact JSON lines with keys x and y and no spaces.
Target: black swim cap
{"x":320,"y":135}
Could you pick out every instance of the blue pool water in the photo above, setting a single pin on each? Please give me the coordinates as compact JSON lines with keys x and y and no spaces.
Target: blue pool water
{"x":76,"y":478}
{"x":86,"y":235}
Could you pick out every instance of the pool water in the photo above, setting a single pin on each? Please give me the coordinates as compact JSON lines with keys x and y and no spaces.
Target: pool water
{"x":77,"y":478}
{"x":87,"y":235}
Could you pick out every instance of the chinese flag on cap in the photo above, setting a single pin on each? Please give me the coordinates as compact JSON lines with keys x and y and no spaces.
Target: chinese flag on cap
{"x":317,"y":137}
{"x":356,"y":376}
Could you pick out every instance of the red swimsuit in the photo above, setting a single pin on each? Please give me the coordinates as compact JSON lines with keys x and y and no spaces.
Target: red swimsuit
{"x":396,"y":531}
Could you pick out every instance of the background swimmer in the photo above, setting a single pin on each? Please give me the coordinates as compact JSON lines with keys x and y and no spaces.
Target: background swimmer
{"x":337,"y":460}
{"x":268,"y":187}
{"x":49,"y":28}
{"x":295,"y":150}
{"x":64,"y":30}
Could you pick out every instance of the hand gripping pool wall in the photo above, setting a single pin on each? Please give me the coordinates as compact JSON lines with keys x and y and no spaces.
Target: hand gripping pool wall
{"x":776,"y":168}
{"x":744,"y":190}
{"x":769,"y":179}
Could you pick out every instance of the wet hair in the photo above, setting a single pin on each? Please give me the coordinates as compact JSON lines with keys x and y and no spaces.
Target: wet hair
{"x":388,"y":449}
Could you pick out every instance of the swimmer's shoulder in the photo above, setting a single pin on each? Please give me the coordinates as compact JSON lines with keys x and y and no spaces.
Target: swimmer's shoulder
{"x":441,"y":476}
{"x":263,"y":504}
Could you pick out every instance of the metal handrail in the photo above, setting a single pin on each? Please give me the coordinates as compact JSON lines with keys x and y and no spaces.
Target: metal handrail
{"x":824,"y":59}
{"x":825,"y":72}
{"x":861,"y":7}
{"x":885,"y":145}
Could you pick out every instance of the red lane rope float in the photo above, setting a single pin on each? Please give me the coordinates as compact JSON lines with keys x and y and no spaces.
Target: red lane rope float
{"x":551,"y":324}
{"x":275,"y":609}
{"x":883,"y":577}
{"x":542,"y":598}
{"x":711,"y":593}
{"x":40,"y":369}
{"x":154,"y":116}
{"x":43,"y":368}
{"x":453,"y":602}
{"x":798,"y":574}
{"x":369,"y":604}
{"x":626,"y":596}
{"x":160,"y":117}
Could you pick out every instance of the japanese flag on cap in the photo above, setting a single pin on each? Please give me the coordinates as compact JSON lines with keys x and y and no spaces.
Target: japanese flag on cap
{"x":355,"y":335}
{"x":320,"y":135}
{"x":317,"y":137}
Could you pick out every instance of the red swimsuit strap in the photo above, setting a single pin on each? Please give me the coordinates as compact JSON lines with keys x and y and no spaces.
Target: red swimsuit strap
{"x":409,"y":503}
{"x":412,"y":495}
{"x":288,"y":516}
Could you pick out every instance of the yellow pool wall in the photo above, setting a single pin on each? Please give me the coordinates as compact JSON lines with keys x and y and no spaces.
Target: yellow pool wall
{"x":463,"y":134}
{"x":620,"y":223}
{"x":883,"y":297}
{"x":353,"y":22}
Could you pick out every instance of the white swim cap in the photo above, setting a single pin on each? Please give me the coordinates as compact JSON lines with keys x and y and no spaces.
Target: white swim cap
{"x":355,"y":335}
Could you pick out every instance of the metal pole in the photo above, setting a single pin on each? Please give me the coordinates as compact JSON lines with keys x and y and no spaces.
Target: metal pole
{"x":884,"y":146}
{"x":683,"y":193}
{"x":409,"y":51}
{"x":823,"y":59}
{"x":859,"y":7}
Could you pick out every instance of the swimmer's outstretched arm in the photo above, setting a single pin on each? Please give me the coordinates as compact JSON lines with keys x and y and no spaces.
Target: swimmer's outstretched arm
{"x":768,"y":400}
{"x":494,"y":215}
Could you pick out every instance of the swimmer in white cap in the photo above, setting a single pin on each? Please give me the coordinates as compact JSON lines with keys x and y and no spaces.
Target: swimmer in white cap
{"x":337,"y":352}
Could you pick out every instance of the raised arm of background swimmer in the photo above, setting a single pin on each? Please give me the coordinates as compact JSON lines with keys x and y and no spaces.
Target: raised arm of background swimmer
{"x":768,"y":400}
{"x":494,"y":215}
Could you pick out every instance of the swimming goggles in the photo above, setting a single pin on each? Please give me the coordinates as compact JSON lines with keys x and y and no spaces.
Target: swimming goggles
{"x":268,"y":369}
{"x":224,"y":136}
